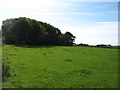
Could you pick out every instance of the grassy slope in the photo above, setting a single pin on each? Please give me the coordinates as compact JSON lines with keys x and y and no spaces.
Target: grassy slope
{"x":60,"y":66}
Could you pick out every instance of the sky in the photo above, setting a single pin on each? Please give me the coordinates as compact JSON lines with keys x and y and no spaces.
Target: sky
{"x":91,"y":21}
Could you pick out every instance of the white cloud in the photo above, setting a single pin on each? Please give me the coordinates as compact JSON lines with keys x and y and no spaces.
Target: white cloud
{"x":58,"y":13}
{"x":97,"y":33}
{"x":91,"y":0}
{"x":22,"y":4}
{"x":19,"y":8}
{"x":108,"y":22}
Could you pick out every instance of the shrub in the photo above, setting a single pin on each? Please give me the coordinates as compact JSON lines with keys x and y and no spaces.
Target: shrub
{"x":5,"y":71}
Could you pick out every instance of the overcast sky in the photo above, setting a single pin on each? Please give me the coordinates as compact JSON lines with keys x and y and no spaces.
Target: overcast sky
{"x":92,"y":22}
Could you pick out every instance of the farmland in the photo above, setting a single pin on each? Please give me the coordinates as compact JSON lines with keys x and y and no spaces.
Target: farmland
{"x":61,"y":67}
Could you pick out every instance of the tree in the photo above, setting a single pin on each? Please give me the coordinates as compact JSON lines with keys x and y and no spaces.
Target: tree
{"x":25,"y":31}
{"x":67,"y":39}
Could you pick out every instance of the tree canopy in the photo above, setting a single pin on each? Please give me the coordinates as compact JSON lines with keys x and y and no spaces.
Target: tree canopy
{"x":25,"y":31}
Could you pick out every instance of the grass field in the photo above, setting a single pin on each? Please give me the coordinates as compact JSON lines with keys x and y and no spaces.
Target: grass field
{"x":61,"y":67}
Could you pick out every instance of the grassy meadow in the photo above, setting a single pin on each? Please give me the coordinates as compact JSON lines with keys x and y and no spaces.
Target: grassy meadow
{"x":61,"y":67}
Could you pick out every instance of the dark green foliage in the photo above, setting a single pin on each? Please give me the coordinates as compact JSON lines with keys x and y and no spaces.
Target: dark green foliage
{"x":102,"y":45}
{"x":25,"y":31}
{"x":67,"y":38}
{"x":5,"y":71}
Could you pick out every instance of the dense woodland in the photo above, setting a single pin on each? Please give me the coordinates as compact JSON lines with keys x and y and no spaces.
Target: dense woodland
{"x":25,"y":31}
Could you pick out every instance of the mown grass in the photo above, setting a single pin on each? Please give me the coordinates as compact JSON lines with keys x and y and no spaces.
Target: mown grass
{"x":61,"y":67}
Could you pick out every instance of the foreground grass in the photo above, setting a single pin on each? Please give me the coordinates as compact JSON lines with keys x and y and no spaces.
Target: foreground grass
{"x":61,"y":67}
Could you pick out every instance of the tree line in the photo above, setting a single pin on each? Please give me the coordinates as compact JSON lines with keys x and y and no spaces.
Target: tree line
{"x":25,"y":31}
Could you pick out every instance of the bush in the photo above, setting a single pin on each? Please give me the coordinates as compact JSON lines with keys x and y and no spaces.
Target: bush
{"x":5,"y":71}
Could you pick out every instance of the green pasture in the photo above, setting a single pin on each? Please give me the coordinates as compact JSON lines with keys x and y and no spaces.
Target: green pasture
{"x":61,"y":67}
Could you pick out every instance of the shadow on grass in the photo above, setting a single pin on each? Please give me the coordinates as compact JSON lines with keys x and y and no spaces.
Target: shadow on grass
{"x":83,"y":71}
{"x":68,"y":60}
